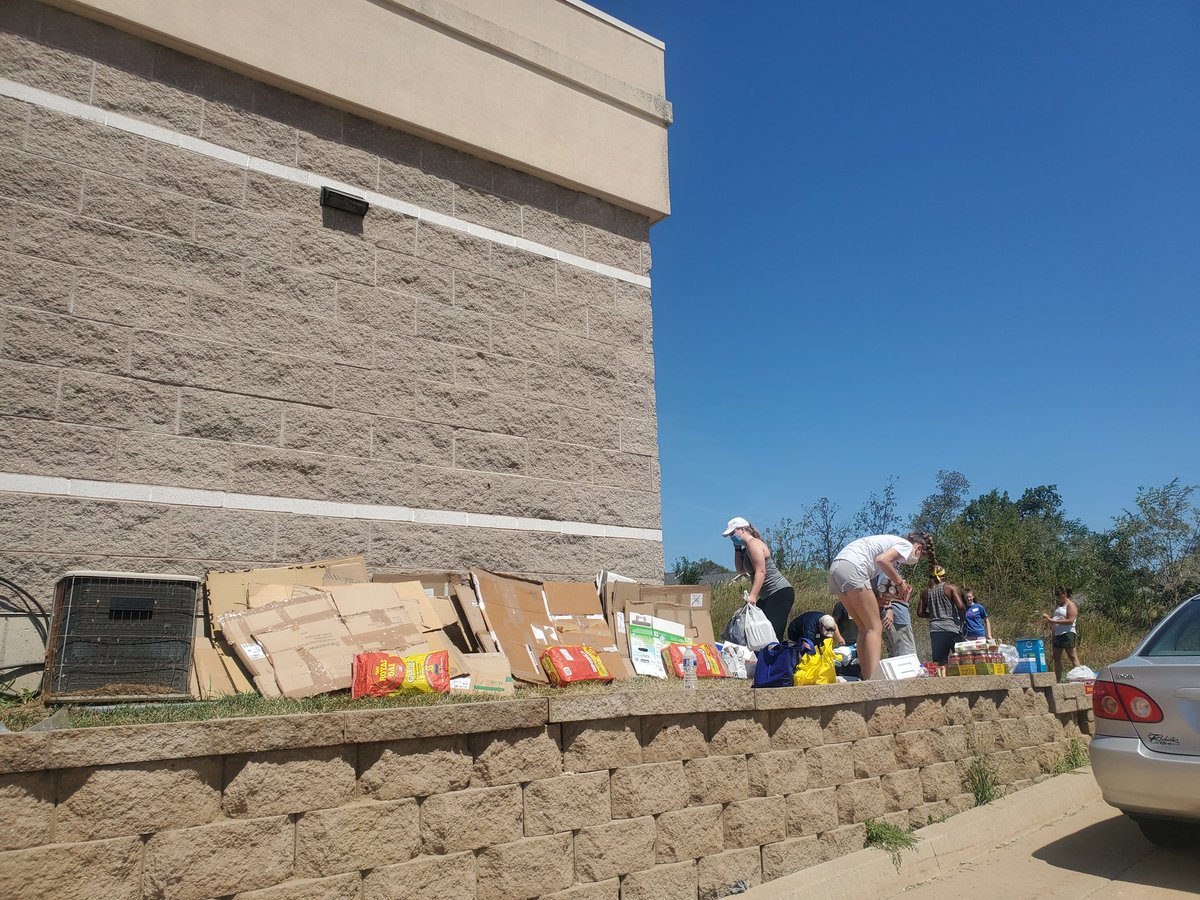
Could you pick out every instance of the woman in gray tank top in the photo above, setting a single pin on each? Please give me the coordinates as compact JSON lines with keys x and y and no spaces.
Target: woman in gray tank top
{"x":942,"y":604}
{"x":769,"y":590}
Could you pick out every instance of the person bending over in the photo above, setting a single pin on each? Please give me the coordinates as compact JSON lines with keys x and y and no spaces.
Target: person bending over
{"x":850,"y":579}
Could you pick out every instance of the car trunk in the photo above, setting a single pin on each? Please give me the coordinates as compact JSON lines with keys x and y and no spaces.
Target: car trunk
{"x":1174,"y":684}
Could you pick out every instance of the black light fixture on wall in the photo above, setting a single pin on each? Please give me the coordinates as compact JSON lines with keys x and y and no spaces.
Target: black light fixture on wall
{"x":345,"y":202}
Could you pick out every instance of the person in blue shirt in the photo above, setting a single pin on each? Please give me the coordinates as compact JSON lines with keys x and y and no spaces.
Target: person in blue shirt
{"x":976,"y":623}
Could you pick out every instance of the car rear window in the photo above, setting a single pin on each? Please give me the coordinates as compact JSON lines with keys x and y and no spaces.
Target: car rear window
{"x":1180,"y":636}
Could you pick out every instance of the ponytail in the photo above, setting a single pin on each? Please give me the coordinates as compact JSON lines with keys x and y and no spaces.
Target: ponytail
{"x":925,"y":540}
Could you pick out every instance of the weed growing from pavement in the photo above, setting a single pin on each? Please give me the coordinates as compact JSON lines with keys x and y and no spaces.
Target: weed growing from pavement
{"x":982,"y":779}
{"x":1075,"y":757}
{"x":892,"y":839}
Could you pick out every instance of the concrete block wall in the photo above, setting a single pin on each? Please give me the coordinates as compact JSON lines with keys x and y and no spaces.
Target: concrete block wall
{"x":199,"y":366}
{"x":637,"y":794}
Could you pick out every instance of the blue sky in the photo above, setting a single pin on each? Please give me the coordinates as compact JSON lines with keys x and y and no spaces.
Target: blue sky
{"x":926,"y":235}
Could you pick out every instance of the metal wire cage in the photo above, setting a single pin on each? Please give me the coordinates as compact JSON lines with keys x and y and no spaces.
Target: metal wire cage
{"x":120,"y":636}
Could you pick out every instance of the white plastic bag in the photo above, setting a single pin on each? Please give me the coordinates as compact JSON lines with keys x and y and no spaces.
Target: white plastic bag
{"x":735,"y":657}
{"x":1009,"y":652}
{"x":751,"y":628}
{"x":1081,"y":673}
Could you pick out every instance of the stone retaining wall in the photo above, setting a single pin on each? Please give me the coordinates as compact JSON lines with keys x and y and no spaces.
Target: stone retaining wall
{"x":639,"y":794}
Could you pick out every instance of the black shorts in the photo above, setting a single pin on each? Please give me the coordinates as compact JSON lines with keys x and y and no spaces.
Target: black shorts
{"x":1066,"y":640}
{"x":942,"y":643}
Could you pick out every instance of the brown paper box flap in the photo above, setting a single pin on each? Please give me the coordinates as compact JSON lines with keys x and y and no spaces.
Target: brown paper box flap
{"x":569,"y":598}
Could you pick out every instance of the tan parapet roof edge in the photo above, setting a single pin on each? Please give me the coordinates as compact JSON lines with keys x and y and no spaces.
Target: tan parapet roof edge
{"x":614,"y":21}
{"x":548,"y":60}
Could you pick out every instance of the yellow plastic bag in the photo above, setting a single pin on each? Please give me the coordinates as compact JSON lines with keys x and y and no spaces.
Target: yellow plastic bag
{"x":817,"y":668}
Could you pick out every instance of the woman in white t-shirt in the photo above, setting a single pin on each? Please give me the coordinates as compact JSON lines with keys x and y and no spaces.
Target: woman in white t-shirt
{"x":850,"y":579}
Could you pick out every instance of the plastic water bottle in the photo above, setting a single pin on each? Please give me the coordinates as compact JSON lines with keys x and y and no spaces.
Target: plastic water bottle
{"x":689,"y":668}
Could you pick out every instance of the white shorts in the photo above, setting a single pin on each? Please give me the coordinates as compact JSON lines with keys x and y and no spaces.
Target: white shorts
{"x":845,"y":576}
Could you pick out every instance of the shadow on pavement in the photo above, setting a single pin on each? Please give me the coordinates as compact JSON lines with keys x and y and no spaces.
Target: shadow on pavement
{"x":1115,"y":849}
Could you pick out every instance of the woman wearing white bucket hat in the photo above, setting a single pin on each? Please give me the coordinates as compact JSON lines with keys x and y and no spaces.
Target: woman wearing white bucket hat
{"x":769,"y":590}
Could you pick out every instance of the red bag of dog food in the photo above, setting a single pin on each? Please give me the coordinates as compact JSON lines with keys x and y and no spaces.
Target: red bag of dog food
{"x":387,"y":674}
{"x":566,"y":665}
{"x":708,"y":660}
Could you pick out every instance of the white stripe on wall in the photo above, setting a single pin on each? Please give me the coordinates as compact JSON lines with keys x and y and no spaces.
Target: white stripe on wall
{"x":78,"y":110}
{"x":47,"y":486}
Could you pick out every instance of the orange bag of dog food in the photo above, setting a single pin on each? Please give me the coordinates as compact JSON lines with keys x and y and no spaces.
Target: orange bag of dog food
{"x":708,"y":660}
{"x":566,"y":665}
{"x":386,"y":674}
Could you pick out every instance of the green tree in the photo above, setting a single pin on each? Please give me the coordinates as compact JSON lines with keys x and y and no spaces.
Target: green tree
{"x":690,"y":571}
{"x":939,"y":509}
{"x":1161,"y":539}
{"x":828,"y":533}
{"x":878,"y":514}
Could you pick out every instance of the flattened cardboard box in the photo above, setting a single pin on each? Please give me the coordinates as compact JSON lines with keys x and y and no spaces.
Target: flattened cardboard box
{"x":305,"y":644}
{"x":687,"y":604}
{"x":487,"y":673}
{"x":526,"y":617}
{"x":228,"y":591}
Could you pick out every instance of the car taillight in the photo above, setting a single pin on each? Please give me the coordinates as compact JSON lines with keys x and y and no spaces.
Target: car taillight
{"x":1124,"y":702}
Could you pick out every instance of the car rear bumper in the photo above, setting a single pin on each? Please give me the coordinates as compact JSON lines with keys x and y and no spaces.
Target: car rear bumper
{"x":1136,"y":779}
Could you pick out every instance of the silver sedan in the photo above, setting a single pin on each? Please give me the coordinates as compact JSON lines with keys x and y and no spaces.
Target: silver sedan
{"x":1146,"y":750}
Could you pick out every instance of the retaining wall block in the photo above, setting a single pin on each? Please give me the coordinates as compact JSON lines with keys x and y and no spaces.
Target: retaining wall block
{"x":795,"y":729}
{"x":727,"y":873}
{"x":288,"y":781}
{"x":874,"y":756}
{"x":127,"y":799}
{"x":860,"y":800}
{"x":915,"y":749}
{"x":740,"y":732}
{"x":674,"y":881}
{"x":902,"y":790}
{"x":79,"y":871}
{"x":924,"y":713}
{"x":610,"y":744}
{"x":845,"y":840}
{"x":842,"y":724}
{"x":689,"y":833}
{"x":363,"y":835}
{"x":616,"y":848}
{"x":470,"y":819}
{"x":958,"y":710}
{"x":649,"y":789}
{"x":985,"y":707}
{"x":339,"y":887}
{"x":717,"y":779}
{"x":811,"y":812}
{"x":955,"y":742}
{"x":220,"y":859}
{"x":941,"y":781}
{"x":510,"y":757}
{"x":27,"y":809}
{"x":777,"y":773}
{"x":884,"y":717}
{"x":566,"y":802}
{"x":791,"y":855}
{"x":445,"y":877}
{"x":525,"y":868}
{"x":371,"y":725}
{"x":757,"y":821}
{"x":674,"y":737}
{"x":415,"y":768}
{"x":596,"y":890}
{"x":831,"y":764}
